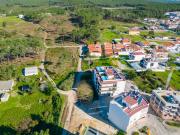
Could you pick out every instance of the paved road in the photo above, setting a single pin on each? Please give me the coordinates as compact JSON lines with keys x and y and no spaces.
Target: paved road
{"x":156,"y":126}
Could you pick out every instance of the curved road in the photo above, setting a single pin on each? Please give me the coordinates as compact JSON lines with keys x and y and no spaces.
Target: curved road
{"x":71,"y":95}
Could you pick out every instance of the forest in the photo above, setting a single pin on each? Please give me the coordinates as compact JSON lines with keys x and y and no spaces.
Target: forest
{"x":19,"y":47}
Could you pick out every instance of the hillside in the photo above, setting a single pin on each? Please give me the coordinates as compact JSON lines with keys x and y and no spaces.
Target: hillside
{"x":72,"y":2}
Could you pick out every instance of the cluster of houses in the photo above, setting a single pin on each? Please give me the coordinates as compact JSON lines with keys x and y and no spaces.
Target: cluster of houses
{"x":7,"y":86}
{"x":171,"y":23}
{"x":127,"y":107}
{"x":142,"y":55}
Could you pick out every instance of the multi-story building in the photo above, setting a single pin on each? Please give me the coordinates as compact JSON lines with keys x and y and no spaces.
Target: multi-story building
{"x":107,"y":80}
{"x":126,"y":109}
{"x":166,"y":104}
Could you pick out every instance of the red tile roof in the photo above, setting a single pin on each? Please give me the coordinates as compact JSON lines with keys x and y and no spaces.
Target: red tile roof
{"x":168,"y":44}
{"x":108,"y":45}
{"x":126,"y":40}
{"x":134,"y":110}
{"x":118,"y":46}
{"x":130,"y":100}
{"x":138,"y":53}
{"x":95,"y":48}
{"x":146,"y":43}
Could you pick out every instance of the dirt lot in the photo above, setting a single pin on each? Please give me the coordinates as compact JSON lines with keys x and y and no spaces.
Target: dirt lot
{"x":79,"y":117}
{"x":61,"y":64}
{"x":55,"y":26}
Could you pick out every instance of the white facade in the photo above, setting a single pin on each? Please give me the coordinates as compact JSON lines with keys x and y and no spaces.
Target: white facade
{"x":118,"y":117}
{"x":97,"y":54}
{"x":4,"y":97}
{"x":174,"y":49}
{"x":6,"y":86}
{"x":120,"y":87}
{"x":113,"y":84}
{"x":125,"y":114}
{"x":124,"y":52}
{"x":138,"y":57}
{"x":30,"y":71}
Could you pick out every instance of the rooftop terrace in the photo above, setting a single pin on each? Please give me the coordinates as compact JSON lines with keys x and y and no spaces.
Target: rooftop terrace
{"x":131,"y":102}
{"x":168,"y":97}
{"x":108,"y":73}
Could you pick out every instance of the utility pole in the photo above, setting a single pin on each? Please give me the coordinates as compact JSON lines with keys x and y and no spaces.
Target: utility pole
{"x":169,"y":78}
{"x":49,"y":1}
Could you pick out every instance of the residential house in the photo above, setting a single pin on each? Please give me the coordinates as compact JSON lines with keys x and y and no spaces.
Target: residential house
{"x":172,"y":47}
{"x":4,"y":97}
{"x":134,"y":31}
{"x":28,"y":71}
{"x":108,"y":49}
{"x":137,"y":56}
{"x":126,"y":109}
{"x":119,"y":49}
{"x":161,"y":54}
{"x":166,"y":104}
{"x":150,"y":64}
{"x":6,"y":86}
{"x":107,"y":80}
{"x":126,"y":41}
{"x":95,"y":50}
{"x":21,"y":16}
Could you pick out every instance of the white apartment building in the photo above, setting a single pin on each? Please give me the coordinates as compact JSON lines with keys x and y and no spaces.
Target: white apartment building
{"x":126,"y":109}
{"x":137,"y":56}
{"x":107,"y":80}
{"x":166,"y":104}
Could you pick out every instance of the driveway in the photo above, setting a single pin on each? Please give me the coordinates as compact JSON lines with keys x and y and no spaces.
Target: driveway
{"x":155,"y":125}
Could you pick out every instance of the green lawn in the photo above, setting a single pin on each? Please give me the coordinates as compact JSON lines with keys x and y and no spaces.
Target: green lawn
{"x":148,"y":81}
{"x":99,"y":62}
{"x":10,"y":19}
{"x":61,"y":64}
{"x":20,"y":107}
{"x":175,"y":80}
{"x":120,"y":28}
{"x":173,"y":123}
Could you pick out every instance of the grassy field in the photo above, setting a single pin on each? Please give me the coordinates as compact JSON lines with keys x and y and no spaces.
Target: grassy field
{"x":163,"y":33}
{"x":13,"y":70}
{"x":152,"y":80}
{"x":57,"y":26}
{"x":85,"y":91}
{"x":18,"y":27}
{"x":173,"y":123}
{"x":61,"y":65}
{"x":175,"y":80}
{"x":99,"y":62}
{"x":22,"y":106}
{"x":114,"y":29}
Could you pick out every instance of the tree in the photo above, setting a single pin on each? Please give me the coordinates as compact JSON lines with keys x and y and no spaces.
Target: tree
{"x":135,"y":133}
{"x":151,"y":34}
{"x":121,"y":133}
{"x":4,"y":24}
{"x":130,"y":74}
